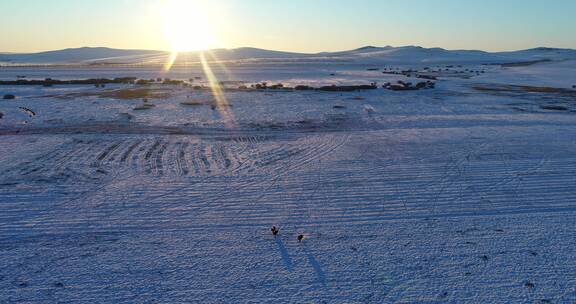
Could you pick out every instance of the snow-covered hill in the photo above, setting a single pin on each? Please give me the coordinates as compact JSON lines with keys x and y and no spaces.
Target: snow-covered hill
{"x":541,"y":53}
{"x":418,"y":54}
{"x":78,"y":55}
{"x":369,"y":54}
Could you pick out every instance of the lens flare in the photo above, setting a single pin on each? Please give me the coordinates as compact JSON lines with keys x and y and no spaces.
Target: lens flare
{"x":187,"y":26}
{"x":221,"y":103}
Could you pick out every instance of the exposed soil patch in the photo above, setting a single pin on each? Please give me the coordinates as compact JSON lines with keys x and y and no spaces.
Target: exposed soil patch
{"x":524,"y":63}
{"x":553,"y":107}
{"x":523,"y":89}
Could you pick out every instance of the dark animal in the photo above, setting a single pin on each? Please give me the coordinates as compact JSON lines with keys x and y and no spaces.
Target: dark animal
{"x":9,"y":96}
{"x":275,"y":230}
{"x":300,"y":238}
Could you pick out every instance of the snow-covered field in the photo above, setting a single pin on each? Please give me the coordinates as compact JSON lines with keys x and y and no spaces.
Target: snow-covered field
{"x":465,"y":193}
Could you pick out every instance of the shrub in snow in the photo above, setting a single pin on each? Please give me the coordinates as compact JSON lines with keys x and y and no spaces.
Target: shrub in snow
{"x":143,"y":82}
{"x":276,"y":86}
{"x":260,"y":86}
{"x":168,"y":81}
{"x":334,"y":88}
{"x":554,"y":107}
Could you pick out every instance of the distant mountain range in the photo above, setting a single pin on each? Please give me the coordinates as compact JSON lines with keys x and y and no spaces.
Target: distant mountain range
{"x":368,"y":55}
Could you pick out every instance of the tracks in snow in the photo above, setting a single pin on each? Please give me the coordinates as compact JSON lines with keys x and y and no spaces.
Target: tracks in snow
{"x":299,"y":181}
{"x":78,"y":161}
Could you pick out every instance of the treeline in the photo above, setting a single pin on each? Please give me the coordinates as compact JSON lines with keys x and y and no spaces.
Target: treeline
{"x":51,"y":82}
{"x":332,"y":88}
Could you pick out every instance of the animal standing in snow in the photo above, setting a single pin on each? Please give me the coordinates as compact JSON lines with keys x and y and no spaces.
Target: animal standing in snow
{"x":275,"y":230}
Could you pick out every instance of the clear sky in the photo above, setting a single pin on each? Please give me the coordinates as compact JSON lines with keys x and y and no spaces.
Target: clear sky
{"x":291,"y":25}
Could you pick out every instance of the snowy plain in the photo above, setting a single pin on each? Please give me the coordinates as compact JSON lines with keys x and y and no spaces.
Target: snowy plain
{"x":465,"y":193}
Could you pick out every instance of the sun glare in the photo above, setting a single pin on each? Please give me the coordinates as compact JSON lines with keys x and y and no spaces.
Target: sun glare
{"x":187,"y":25}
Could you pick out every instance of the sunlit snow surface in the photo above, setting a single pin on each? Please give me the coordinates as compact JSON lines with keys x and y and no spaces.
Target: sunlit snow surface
{"x":453,"y":195}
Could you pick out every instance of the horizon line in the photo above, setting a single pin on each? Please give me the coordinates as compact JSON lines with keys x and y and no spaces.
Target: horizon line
{"x":273,"y":50}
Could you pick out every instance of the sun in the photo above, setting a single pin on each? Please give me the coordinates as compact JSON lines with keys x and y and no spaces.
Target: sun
{"x":187,"y":25}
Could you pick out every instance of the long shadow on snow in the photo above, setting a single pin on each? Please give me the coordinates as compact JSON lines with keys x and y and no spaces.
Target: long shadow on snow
{"x":285,"y":256}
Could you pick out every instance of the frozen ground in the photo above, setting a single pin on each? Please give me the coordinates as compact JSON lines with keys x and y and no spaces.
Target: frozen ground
{"x":461,"y":194}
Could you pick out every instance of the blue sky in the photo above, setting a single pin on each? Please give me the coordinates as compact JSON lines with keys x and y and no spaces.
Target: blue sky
{"x":295,"y":25}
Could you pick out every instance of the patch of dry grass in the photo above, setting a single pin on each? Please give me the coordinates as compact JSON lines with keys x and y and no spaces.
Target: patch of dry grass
{"x":124,"y":94}
{"x":196,"y":103}
{"x":138,"y":93}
